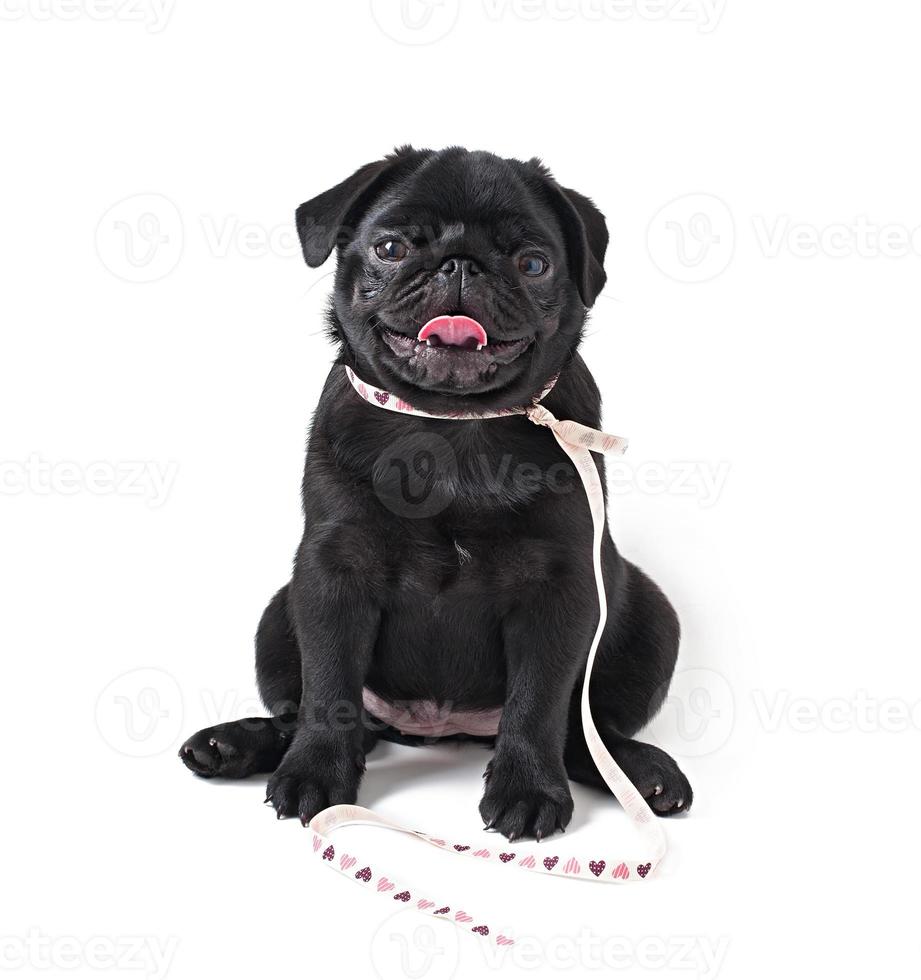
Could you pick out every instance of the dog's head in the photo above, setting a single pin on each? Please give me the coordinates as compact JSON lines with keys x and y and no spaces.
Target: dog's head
{"x":460,"y":274}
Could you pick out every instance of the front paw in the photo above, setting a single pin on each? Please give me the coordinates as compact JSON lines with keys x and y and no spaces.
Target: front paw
{"x":313,"y":776}
{"x":525,"y":801}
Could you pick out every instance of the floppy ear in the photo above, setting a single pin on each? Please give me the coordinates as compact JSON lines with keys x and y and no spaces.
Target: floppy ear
{"x":586,"y":234}
{"x":323,"y":222}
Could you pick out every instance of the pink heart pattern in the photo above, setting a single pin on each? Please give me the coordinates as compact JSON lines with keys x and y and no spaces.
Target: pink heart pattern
{"x":382,"y":396}
{"x":384,"y":884}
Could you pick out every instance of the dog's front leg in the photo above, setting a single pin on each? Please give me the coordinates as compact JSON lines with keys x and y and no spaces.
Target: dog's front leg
{"x":527,"y":789}
{"x":336,"y":621}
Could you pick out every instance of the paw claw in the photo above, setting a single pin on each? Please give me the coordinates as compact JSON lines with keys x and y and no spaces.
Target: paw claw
{"x":522,"y":807}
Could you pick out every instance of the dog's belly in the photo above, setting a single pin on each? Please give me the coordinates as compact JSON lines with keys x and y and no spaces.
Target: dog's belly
{"x":431,"y":719}
{"x":438,"y":667}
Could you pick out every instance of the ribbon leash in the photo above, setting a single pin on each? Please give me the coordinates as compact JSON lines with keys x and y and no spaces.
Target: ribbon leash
{"x":578,"y":442}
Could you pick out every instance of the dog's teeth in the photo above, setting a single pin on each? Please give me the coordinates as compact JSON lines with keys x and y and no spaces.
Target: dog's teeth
{"x":479,"y":346}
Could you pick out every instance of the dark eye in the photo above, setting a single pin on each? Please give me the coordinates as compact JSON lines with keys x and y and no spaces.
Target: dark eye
{"x":532,"y":265}
{"x":391,"y":251}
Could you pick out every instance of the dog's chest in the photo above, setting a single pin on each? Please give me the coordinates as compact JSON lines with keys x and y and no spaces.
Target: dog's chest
{"x":481,"y":571}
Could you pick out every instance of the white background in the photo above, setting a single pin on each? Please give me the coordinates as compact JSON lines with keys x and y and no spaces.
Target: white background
{"x":162,"y":352}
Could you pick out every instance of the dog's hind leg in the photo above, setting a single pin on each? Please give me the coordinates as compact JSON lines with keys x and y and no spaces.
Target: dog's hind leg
{"x":236,"y":749}
{"x":239,"y":748}
{"x":253,"y":745}
{"x":629,"y":683}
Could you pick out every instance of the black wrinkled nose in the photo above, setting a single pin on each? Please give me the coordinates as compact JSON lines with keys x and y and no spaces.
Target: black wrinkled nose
{"x":465,"y":267}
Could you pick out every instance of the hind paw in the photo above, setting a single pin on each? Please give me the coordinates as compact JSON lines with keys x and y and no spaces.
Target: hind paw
{"x":657,"y":777}
{"x":234,"y":749}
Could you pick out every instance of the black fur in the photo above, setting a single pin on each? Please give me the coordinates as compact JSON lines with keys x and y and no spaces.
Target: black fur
{"x":451,"y":561}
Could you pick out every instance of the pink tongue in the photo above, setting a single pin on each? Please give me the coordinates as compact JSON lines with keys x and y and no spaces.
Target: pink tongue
{"x":455,"y":331}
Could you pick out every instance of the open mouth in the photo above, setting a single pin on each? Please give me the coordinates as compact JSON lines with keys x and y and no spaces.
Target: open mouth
{"x":455,"y":340}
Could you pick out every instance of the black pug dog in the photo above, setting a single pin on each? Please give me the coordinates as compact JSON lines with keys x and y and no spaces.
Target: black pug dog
{"x":448,"y":563}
